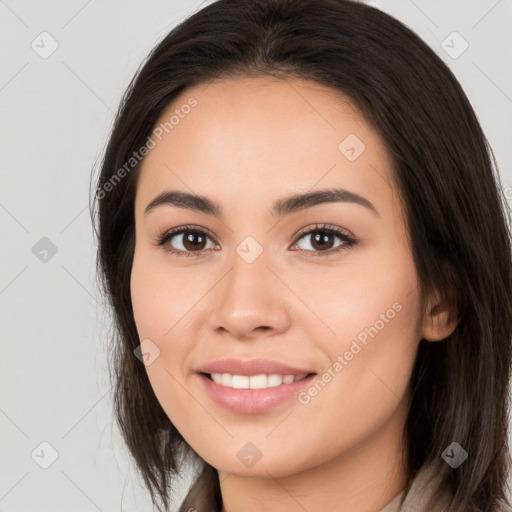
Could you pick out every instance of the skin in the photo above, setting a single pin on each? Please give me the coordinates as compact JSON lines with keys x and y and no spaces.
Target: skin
{"x":247,"y":143}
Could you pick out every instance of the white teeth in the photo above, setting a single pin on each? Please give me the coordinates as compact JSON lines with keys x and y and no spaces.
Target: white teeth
{"x":240,"y":382}
{"x":258,"y":382}
{"x":274,"y":380}
{"x":227,"y":379}
{"x":216,"y":377}
{"x":261,"y":381}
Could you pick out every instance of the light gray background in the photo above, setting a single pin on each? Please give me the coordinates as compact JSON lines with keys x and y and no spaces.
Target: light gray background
{"x":55,"y":116}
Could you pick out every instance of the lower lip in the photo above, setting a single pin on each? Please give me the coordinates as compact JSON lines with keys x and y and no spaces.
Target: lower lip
{"x":252,"y":401}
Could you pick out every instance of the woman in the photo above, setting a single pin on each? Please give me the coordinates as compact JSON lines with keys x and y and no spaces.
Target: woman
{"x":306,"y":248}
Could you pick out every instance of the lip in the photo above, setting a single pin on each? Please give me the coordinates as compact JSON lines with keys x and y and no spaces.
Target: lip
{"x":251,"y":367}
{"x":252,"y":401}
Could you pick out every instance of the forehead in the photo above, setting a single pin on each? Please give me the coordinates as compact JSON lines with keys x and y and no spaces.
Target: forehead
{"x":256,"y":137}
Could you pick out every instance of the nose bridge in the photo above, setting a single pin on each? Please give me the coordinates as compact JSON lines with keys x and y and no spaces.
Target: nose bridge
{"x":249,"y":296}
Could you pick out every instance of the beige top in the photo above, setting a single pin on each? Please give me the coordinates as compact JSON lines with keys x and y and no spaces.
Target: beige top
{"x":423,"y":496}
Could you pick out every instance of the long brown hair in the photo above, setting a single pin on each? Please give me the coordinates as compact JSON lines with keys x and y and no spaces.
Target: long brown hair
{"x":450,"y":187}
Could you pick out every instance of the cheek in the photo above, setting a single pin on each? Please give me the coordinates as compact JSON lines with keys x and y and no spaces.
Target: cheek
{"x":368,"y":364}
{"x":372,"y":350}
{"x":163,"y":309}
{"x":156,"y":311}
{"x":156,"y":298}
{"x":371,"y":310}
{"x":374,"y":288}
{"x":147,"y":304}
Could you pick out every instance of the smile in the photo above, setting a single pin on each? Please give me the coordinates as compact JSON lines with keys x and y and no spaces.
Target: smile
{"x":270,"y":390}
{"x":261,"y":381}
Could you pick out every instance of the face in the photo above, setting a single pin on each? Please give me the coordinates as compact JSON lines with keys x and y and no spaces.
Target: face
{"x":326,"y":287}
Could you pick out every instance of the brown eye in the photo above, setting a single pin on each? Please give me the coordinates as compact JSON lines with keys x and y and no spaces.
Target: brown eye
{"x":193,"y":240}
{"x":322,"y":239}
{"x":185,"y":241}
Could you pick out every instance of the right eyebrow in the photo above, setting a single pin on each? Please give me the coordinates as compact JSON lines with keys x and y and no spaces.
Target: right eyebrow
{"x":299,"y":202}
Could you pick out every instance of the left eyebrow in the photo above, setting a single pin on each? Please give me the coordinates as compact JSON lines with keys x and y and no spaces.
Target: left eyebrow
{"x":281,"y":208}
{"x":298,"y":202}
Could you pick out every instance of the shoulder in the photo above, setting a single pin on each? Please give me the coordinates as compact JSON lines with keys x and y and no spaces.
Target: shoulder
{"x":429,"y":492}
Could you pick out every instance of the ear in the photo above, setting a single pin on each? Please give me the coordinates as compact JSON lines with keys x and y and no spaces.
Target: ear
{"x":440,"y":319}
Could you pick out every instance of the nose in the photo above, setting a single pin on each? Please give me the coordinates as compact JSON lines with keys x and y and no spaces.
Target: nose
{"x":249,"y":301}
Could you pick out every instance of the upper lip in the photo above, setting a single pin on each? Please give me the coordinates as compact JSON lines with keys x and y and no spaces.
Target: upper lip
{"x":251,"y":367}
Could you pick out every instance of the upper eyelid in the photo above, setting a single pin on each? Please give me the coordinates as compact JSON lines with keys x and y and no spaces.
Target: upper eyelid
{"x":337,"y":230}
{"x":325,"y":226}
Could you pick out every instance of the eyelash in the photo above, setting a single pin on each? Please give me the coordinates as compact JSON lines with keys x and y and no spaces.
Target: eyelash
{"x":348,"y":241}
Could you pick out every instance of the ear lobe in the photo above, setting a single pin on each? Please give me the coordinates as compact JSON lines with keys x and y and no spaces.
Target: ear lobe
{"x":440,"y":320}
